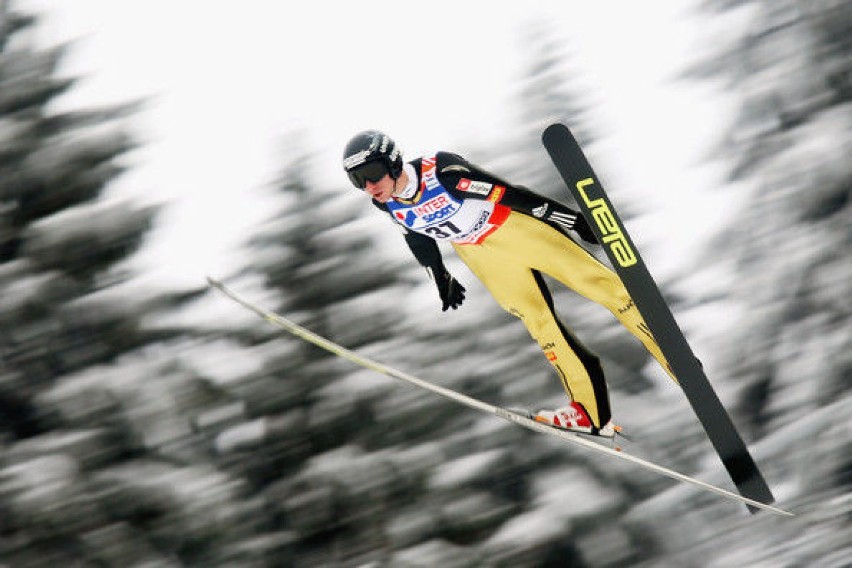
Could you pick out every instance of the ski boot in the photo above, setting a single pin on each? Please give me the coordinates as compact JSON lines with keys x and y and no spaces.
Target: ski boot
{"x":574,"y":418}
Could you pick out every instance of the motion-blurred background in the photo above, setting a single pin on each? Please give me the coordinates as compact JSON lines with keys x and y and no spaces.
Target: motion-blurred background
{"x":146,"y":421}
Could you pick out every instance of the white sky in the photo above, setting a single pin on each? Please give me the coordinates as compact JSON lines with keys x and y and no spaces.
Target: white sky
{"x":230,"y":79}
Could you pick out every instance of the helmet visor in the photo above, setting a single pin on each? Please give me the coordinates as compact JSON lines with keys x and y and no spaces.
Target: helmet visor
{"x":371,"y":171}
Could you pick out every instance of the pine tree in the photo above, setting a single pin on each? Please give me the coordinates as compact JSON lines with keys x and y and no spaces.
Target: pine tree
{"x":59,"y":240}
{"x":779,"y":271}
{"x":319,"y":256}
{"x":549,"y":90}
{"x":91,"y":402}
{"x":789,"y":143}
{"x":316,"y":250}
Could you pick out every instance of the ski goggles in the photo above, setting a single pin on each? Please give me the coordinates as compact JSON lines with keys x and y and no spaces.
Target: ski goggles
{"x":371,"y":171}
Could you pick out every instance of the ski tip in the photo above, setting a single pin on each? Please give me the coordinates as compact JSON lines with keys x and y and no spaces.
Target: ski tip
{"x":554,"y":129}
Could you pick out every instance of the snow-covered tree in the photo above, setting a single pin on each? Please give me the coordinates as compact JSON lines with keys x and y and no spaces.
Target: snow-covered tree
{"x":788,"y":243}
{"x":92,"y":412}
{"x":59,"y":239}
{"x":779,"y":274}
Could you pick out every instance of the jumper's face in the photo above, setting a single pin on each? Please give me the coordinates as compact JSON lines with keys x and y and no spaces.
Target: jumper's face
{"x":381,"y":190}
{"x":374,"y":178}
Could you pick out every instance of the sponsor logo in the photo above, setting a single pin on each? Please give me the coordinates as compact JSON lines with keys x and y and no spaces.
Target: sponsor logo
{"x":613,"y":235}
{"x":551,"y":356}
{"x":483,"y":219}
{"x":440,"y":214}
{"x":475,"y":187}
{"x":483,"y":228}
{"x":429,"y":177}
{"x":355,"y":159}
{"x":408,"y":217}
{"x":626,"y":307}
{"x":564,"y":220}
{"x":540,"y":211}
{"x":497,"y":194}
{"x":435,"y":209}
{"x":572,"y":416}
{"x":433,"y":205}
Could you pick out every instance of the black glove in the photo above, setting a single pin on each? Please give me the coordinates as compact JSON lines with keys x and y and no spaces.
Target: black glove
{"x":582,"y":228}
{"x":450,"y":290}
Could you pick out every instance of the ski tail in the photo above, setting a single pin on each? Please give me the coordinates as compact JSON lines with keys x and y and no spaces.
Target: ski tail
{"x":570,"y":161}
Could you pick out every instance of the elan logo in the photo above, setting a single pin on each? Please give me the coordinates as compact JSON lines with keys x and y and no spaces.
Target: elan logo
{"x":613,"y":236}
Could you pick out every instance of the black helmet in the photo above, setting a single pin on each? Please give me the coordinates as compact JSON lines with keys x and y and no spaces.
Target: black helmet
{"x":372,"y":146}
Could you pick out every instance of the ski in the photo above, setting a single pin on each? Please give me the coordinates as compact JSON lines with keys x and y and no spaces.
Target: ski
{"x":511,"y":415}
{"x":587,"y":190}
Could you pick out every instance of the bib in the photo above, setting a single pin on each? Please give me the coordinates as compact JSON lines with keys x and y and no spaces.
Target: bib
{"x":440,"y":215}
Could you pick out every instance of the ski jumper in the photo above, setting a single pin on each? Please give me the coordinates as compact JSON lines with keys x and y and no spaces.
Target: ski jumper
{"x":509,"y":236}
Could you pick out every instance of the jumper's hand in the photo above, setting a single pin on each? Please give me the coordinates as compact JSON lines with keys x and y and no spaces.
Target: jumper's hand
{"x":450,"y":290}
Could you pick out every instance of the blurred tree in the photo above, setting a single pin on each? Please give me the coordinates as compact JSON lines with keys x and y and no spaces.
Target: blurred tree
{"x":318,"y":253}
{"x":550,"y":90}
{"x":58,"y":238}
{"x":779,"y":271}
{"x":87,"y":400}
{"x":789,"y":240}
{"x":324,"y":262}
